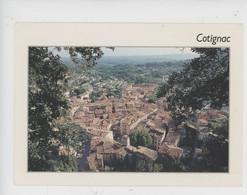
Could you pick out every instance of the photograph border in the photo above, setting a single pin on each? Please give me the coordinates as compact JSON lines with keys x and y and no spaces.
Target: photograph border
{"x":163,"y":35}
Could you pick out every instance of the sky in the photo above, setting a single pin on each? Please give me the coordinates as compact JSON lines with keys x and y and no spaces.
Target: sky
{"x":144,"y":51}
{"x":138,"y":51}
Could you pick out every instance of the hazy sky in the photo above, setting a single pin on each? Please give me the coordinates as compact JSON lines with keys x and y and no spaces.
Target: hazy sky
{"x":137,"y":51}
{"x":142,"y":51}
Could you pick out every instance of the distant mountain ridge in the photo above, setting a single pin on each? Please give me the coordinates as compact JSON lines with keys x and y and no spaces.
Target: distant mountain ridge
{"x":145,"y":59}
{"x":118,"y":60}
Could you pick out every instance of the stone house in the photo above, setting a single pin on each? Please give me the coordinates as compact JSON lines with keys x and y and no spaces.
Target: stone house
{"x":174,"y":152}
{"x":158,"y":136}
{"x":172,"y":138}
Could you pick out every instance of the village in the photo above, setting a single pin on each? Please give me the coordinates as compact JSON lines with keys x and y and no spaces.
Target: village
{"x":109,"y":122}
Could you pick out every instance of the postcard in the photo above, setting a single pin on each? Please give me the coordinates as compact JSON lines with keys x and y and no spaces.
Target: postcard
{"x":128,"y":104}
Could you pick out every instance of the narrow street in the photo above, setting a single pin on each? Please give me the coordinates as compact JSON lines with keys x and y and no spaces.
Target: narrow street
{"x":82,"y":162}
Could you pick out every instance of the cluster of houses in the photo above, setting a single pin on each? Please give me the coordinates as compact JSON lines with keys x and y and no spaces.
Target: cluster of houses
{"x":103,"y":150}
{"x":109,"y":116}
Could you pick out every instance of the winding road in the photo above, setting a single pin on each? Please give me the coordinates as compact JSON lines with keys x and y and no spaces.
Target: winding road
{"x":82,"y":162}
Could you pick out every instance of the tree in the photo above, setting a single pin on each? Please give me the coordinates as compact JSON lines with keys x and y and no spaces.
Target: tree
{"x":202,"y":81}
{"x":140,"y":138}
{"x":166,"y":163}
{"x":80,"y":90}
{"x":71,"y":135}
{"x":46,"y":100}
{"x":153,"y":97}
{"x":215,"y":156}
{"x":45,"y":96}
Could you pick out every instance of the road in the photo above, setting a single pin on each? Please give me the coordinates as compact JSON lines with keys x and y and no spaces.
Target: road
{"x":141,"y":119}
{"x":82,"y":162}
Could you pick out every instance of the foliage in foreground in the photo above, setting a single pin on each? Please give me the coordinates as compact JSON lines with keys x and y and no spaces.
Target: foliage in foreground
{"x":47,"y":103}
{"x":204,"y":81}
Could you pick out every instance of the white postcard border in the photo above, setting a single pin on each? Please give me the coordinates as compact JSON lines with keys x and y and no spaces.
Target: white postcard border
{"x":124,"y":34}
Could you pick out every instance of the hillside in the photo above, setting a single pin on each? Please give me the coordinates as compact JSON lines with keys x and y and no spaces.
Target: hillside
{"x":136,"y":69}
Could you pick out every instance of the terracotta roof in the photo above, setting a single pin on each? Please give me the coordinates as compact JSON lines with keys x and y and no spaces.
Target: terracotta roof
{"x":146,"y":152}
{"x":95,"y":121}
{"x":91,"y":116}
{"x":115,"y":115}
{"x":98,"y":111}
{"x":198,"y":150}
{"x":94,"y":142}
{"x":105,"y":146}
{"x":99,"y":156}
{"x":120,"y":151}
{"x":127,"y":119}
{"x":158,"y":118}
{"x":202,"y":121}
{"x":105,"y":123}
{"x":165,"y":121}
{"x":105,"y":115}
{"x":174,"y":152}
{"x":210,"y":114}
{"x":214,"y":114}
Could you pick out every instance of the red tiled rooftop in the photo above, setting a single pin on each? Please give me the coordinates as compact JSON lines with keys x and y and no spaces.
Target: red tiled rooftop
{"x":174,"y":152}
